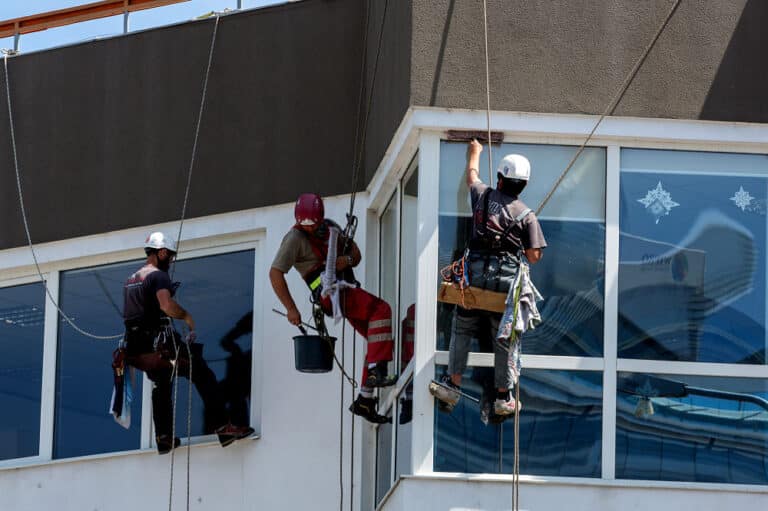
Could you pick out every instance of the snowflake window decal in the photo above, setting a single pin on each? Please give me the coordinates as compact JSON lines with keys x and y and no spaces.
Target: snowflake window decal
{"x":658,"y":202}
{"x":742,"y":199}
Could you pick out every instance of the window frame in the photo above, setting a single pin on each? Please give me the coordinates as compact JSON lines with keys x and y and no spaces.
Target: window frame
{"x":424,"y":129}
{"x":207,"y":236}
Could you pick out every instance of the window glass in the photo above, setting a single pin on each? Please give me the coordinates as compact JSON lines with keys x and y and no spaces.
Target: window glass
{"x":408,"y":268}
{"x":560,"y":426}
{"x":570,"y":275}
{"x":403,"y":432}
{"x":388,"y":251}
{"x":692,"y":428}
{"x":93,"y":298}
{"x":692,"y":273}
{"x":22,"y":313}
{"x":218,"y":292}
{"x":383,"y":460}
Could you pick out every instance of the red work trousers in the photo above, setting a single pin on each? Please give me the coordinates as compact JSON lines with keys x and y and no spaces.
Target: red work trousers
{"x":371,"y":317}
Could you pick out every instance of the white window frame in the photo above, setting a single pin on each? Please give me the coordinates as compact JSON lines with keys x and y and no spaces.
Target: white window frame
{"x":423,"y":128}
{"x":206,"y":236}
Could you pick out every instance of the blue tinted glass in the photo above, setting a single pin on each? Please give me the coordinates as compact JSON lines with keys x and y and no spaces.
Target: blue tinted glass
{"x":22,"y":311}
{"x":93,"y":298}
{"x":692,"y":273}
{"x":570,"y":275}
{"x":218,"y":293}
{"x":383,"y":460}
{"x":560,"y":427}
{"x":403,"y":433}
{"x":692,"y":428}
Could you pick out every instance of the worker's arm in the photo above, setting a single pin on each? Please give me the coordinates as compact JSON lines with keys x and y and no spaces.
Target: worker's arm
{"x":277,"y":278}
{"x":173,"y":309}
{"x":342,"y":262}
{"x":533,"y":255}
{"x":473,"y":162}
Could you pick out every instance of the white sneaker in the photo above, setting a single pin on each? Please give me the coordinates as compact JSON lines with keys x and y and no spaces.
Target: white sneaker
{"x":506,"y":407}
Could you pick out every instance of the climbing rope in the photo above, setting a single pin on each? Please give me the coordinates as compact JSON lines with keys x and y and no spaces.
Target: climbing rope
{"x":487,"y":94}
{"x":612,"y":105}
{"x":175,"y":373}
{"x":26,"y":220}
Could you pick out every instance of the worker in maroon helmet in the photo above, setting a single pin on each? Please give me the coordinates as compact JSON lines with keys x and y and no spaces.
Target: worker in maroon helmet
{"x":305,"y":248}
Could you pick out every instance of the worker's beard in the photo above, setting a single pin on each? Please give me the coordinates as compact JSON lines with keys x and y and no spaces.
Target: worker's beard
{"x":163,"y":264}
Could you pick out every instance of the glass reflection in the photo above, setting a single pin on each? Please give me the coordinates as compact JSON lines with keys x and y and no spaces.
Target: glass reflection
{"x":560,"y":427}
{"x":408,"y":267}
{"x":383,"y":460}
{"x":570,"y":276}
{"x":92,"y":297}
{"x":692,"y":272}
{"x":22,"y":313}
{"x":403,"y":432}
{"x":692,"y":428}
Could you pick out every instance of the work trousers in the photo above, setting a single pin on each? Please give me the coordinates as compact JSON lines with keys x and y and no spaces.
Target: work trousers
{"x":468,"y":324}
{"x":371,"y":317}
{"x":140,"y":346}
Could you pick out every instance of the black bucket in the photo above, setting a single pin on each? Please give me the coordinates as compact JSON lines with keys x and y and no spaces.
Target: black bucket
{"x":313,"y":353}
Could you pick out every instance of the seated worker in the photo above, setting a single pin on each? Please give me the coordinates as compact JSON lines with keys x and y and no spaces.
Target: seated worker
{"x":305,"y":248}
{"x":151,"y":344}
{"x":503,"y":227}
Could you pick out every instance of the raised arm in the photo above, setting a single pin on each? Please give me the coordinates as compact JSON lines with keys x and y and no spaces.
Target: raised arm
{"x":473,"y":162}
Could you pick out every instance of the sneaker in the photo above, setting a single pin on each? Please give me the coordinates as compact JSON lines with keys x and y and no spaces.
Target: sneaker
{"x":446,"y":392}
{"x":406,"y":410}
{"x":506,"y":407}
{"x":377,"y":377}
{"x":365,"y":407}
{"x":229,"y":433}
{"x":164,"y":443}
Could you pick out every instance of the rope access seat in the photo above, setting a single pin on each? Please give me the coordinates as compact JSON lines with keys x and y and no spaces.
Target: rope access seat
{"x":608,"y":111}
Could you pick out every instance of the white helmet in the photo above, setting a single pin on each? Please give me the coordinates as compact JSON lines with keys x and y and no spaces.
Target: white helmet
{"x":158,"y":240}
{"x":514,"y":166}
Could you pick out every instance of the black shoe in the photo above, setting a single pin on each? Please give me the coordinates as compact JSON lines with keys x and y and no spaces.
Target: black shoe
{"x":230,"y":433}
{"x":377,"y":377}
{"x":365,"y":407}
{"x":406,"y":410}
{"x":164,"y":443}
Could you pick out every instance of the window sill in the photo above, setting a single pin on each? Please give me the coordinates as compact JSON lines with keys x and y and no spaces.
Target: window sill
{"x":36,"y":461}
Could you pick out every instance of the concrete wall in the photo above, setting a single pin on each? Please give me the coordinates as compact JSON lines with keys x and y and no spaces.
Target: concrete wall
{"x":473,"y":493}
{"x":566,"y":56}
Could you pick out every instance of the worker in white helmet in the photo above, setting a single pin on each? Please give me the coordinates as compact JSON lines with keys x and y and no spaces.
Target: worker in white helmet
{"x":152,"y":343}
{"x":503,"y":230}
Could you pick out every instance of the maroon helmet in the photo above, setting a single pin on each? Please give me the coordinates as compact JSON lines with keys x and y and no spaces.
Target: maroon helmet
{"x":309,"y":209}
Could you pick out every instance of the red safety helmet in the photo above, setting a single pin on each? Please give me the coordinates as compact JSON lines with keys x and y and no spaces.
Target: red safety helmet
{"x":309,"y":209}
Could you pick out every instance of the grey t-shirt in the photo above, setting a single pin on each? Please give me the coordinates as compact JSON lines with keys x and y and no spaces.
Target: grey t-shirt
{"x":502,"y":211}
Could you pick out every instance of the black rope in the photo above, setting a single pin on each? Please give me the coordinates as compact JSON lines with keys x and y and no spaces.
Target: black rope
{"x":358,"y":161}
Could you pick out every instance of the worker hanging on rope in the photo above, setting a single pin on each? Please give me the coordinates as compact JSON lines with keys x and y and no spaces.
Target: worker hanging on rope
{"x":155,"y":347}
{"x":306,"y":247}
{"x":503,"y":228}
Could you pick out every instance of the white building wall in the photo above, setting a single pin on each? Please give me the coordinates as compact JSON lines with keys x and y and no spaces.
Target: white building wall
{"x":295,"y":462}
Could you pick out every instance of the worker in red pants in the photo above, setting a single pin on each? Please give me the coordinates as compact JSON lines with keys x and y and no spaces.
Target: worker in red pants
{"x":305,"y":247}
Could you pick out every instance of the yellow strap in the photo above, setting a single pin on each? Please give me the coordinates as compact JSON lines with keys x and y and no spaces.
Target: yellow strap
{"x":315,"y":283}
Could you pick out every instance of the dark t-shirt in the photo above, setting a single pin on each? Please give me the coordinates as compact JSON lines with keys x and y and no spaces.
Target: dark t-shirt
{"x":502,"y":212}
{"x":140,"y":304}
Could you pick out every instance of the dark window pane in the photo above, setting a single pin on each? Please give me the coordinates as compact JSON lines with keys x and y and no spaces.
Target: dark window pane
{"x":93,"y":298}
{"x":218,"y":292}
{"x":403,"y":433}
{"x":560,"y":427}
{"x":22,"y":311}
{"x":570,"y":276}
{"x":692,"y":272}
{"x":692,"y":428}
